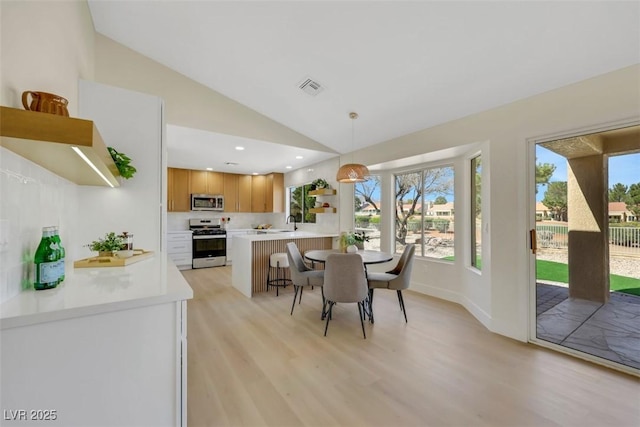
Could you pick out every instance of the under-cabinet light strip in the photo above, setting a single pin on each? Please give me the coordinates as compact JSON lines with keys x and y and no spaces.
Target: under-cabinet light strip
{"x":90,"y":163}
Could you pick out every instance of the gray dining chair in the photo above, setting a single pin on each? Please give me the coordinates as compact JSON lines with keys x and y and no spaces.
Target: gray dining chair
{"x":302,"y":275}
{"x":397,"y":279}
{"x":345,"y":281}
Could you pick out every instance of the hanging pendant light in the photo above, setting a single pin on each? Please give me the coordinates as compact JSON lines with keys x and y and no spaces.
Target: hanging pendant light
{"x":352,"y":172}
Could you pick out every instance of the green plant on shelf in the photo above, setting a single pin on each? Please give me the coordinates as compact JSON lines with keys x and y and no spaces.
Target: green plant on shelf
{"x":319,"y":184}
{"x":123,"y":163}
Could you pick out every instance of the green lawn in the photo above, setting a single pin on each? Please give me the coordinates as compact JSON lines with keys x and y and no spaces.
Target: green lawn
{"x":559,"y":272}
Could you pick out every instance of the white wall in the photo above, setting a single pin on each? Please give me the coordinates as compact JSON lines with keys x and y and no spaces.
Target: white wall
{"x":31,"y":198}
{"x":46,"y":46}
{"x":132,"y":123}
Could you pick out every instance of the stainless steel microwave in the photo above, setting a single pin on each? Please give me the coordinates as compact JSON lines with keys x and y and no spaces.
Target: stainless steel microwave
{"x":207,"y":202}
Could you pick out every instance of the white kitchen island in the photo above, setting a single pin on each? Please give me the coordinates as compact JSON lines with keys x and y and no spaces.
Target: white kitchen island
{"x":106,"y":347}
{"x":251,"y":255}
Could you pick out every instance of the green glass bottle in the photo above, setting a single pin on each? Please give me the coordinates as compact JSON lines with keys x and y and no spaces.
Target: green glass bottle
{"x":58,"y":242}
{"x":46,"y":262}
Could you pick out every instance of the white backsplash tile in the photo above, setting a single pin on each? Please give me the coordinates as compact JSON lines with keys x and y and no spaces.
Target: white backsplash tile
{"x":177,"y":221}
{"x":31,"y":197}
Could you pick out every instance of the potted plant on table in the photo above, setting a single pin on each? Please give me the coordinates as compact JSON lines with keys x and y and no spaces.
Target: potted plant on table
{"x":107,"y":245}
{"x":352,"y":241}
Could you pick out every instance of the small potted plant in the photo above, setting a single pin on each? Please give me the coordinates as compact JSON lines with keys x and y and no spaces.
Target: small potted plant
{"x":107,"y":245}
{"x":319,"y":184}
{"x":351,"y":242}
{"x":360,"y":238}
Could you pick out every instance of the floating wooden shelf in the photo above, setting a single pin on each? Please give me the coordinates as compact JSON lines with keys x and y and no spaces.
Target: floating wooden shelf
{"x":322,"y":210}
{"x":47,"y":140}
{"x":323,"y":192}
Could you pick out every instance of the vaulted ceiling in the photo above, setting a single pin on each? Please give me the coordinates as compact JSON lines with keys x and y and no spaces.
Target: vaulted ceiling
{"x":403,"y":66}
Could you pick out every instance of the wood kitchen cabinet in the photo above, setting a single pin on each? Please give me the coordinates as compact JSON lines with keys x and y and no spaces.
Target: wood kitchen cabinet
{"x":178,"y":193}
{"x":207,"y":182}
{"x":258,"y":201}
{"x":267,"y":193}
{"x":237,"y":192}
{"x":274,"y":194}
{"x":244,"y":193}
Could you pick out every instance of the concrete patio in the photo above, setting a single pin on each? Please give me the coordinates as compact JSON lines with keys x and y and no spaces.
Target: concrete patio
{"x":610,"y":330}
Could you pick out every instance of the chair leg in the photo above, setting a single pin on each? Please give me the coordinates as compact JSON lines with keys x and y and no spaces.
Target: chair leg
{"x":324,"y":305}
{"x":268,"y":277}
{"x":328,"y":316}
{"x":371,"y":305}
{"x":295,"y":288}
{"x":361,"y":311}
{"x":301,"y":289}
{"x":402,"y":307}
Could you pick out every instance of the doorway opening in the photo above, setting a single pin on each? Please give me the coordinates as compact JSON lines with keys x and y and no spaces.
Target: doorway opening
{"x":587,"y":263}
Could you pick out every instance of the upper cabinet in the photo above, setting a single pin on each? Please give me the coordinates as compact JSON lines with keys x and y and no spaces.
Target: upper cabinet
{"x":207,"y":182}
{"x":267,"y":193}
{"x":178,"y":195}
{"x":242,"y":193}
{"x":237,"y":192}
{"x":66,"y":146}
{"x":275,"y":192}
{"x":258,"y":189}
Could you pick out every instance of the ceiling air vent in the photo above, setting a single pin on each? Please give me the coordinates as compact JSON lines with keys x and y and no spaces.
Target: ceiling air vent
{"x":231,"y":163}
{"x":310,"y":86}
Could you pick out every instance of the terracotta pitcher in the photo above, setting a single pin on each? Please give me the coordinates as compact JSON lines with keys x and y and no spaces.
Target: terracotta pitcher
{"x":45,"y":103}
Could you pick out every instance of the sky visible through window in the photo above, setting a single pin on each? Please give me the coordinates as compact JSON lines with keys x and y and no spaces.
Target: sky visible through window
{"x":622,"y":169}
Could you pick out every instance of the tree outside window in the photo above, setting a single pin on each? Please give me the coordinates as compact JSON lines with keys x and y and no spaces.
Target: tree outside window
{"x":367,"y":211}
{"x":418,"y":218}
{"x":300,"y":202}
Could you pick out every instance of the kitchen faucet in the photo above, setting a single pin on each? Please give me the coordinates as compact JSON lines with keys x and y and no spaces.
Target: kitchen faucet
{"x":294,"y":221}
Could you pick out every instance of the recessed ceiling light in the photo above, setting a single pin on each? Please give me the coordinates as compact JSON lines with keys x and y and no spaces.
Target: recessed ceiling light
{"x":287,"y":167}
{"x":239,"y":148}
{"x":209,"y":169}
{"x":310,"y":170}
{"x":299,"y":157}
{"x":255,"y":173}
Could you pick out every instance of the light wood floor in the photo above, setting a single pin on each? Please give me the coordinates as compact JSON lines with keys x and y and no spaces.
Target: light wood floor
{"x":252,"y":364}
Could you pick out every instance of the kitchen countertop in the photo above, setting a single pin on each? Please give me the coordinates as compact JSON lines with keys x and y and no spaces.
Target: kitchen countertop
{"x":88,"y":291}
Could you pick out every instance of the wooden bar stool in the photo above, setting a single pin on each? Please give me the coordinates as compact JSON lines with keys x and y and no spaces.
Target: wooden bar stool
{"x":280,"y":263}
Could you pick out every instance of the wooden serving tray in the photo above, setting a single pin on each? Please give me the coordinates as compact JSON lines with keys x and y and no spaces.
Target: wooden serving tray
{"x":112,"y":261}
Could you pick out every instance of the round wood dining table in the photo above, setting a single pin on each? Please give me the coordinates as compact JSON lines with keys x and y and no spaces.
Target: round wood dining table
{"x":368,"y":257}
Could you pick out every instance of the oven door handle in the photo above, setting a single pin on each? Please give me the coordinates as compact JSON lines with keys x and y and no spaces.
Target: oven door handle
{"x":210,"y":236}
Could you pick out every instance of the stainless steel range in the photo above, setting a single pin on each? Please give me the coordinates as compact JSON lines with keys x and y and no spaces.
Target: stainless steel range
{"x":209,"y":243}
